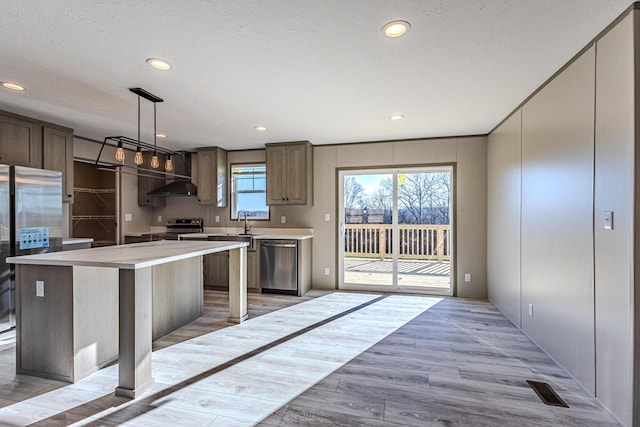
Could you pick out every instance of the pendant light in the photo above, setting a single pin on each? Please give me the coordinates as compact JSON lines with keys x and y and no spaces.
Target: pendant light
{"x":168,"y":165}
{"x":155,"y":163}
{"x":120,"y":152}
{"x":138,"y":160}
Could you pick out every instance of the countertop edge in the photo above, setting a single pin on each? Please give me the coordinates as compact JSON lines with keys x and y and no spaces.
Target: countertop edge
{"x":71,"y":262}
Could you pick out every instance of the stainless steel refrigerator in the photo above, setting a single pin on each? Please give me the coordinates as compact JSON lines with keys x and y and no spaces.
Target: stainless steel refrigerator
{"x":30,"y":223}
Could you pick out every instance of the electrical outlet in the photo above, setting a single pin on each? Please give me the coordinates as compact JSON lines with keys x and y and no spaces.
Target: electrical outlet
{"x":531,"y":310}
{"x":217,"y":218}
{"x":159,"y":218}
{"x":39,"y":288}
{"x":128,"y":217}
{"x":467,"y":277}
{"x":326,"y":271}
{"x":327,"y":217}
{"x":283,"y":219}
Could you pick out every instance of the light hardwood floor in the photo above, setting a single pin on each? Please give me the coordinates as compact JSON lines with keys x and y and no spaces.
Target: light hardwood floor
{"x":397,"y":360}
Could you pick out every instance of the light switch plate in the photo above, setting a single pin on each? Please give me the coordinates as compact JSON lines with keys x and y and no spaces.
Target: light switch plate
{"x":467,"y":277}
{"x":608,"y":220}
{"x":39,"y":288}
{"x":531,"y":310}
{"x":327,"y":217}
{"x":128,"y":217}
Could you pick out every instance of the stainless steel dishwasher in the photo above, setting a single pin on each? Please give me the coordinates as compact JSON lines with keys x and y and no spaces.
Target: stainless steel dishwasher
{"x":279,"y":266}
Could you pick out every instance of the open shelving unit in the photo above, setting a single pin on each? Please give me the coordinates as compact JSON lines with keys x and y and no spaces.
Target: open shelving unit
{"x":94,"y":208}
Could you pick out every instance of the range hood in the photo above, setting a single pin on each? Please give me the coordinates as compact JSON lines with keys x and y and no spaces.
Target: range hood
{"x":180,"y":187}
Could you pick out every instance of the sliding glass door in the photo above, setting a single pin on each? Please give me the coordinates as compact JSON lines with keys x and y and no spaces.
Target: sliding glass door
{"x":395,"y":229}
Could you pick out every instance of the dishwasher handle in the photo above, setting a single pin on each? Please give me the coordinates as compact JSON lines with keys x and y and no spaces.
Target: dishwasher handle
{"x":278,"y":245}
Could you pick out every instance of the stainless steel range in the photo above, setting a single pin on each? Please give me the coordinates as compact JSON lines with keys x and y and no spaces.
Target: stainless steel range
{"x":175,"y":227}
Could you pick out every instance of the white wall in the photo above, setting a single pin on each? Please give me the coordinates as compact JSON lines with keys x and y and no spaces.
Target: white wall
{"x":576,"y":137}
{"x":504,"y":180}
{"x":557,"y":218}
{"x":469,"y":157}
{"x":614,"y":186}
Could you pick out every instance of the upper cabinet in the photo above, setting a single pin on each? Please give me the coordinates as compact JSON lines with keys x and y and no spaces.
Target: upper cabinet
{"x":289,"y":173}
{"x":36,"y":144}
{"x":212,"y":176}
{"x":57,"y":154}
{"x":20,"y":142}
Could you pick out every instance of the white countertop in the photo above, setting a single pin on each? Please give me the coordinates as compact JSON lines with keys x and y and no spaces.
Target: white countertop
{"x":130,"y":257}
{"x":191,"y":236}
{"x":74,"y":240}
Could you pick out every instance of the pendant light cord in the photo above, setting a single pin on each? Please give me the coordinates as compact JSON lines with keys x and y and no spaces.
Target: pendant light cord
{"x":139,"y":122}
{"x":154,"y":129}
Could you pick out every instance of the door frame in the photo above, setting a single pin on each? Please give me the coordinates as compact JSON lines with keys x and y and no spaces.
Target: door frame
{"x":339,"y":277}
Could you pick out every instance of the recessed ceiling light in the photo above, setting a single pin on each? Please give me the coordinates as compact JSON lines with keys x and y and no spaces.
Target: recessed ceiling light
{"x":159,"y":64}
{"x":395,"y":29}
{"x":161,"y":135}
{"x":396,"y":117}
{"x":261,"y":128}
{"x":13,"y":86}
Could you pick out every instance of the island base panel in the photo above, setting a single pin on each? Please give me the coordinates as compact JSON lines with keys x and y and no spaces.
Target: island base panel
{"x":67,"y":333}
{"x":177,"y":294}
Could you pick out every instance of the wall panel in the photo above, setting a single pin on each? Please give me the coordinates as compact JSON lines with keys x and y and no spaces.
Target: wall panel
{"x":557,"y":218}
{"x":614,"y":154}
{"x":504,"y":170}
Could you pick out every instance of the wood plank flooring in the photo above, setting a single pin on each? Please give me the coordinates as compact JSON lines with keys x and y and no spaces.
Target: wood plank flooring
{"x":459,"y":362}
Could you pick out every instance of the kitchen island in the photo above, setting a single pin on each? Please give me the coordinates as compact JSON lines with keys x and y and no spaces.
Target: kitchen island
{"x":77,"y":311}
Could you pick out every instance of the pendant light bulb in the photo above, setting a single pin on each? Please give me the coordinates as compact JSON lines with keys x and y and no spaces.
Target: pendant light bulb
{"x":155,"y":163}
{"x":120,"y":152}
{"x":138,"y":160}
{"x":168,"y":165}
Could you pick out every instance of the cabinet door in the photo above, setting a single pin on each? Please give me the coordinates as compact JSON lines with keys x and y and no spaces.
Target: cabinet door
{"x":57,"y":155}
{"x":212,"y":177}
{"x":217,"y":269}
{"x":20,"y":143}
{"x":296,"y":175}
{"x":276,"y":175}
{"x":252,"y":277}
{"x":206,"y":177}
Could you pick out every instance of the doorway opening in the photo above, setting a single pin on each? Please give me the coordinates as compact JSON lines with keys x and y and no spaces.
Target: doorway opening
{"x":396,"y":229}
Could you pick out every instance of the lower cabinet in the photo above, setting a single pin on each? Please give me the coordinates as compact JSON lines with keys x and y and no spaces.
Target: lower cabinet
{"x":216,"y":271}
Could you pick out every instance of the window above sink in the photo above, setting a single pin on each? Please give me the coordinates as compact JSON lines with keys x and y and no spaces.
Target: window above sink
{"x":249,"y":191}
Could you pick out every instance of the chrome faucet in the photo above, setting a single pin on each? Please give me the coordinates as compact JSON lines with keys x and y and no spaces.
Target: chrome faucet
{"x":247,"y":227}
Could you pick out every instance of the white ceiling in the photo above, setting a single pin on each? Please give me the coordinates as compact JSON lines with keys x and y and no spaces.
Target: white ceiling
{"x":317,"y":70}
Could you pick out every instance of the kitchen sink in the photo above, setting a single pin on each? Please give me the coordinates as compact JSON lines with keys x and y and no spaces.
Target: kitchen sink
{"x":233,"y":238}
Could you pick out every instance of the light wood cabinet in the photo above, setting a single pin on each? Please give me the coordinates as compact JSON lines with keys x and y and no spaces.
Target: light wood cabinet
{"x":252,"y":270}
{"x":36,"y":144}
{"x":20,"y":142}
{"x":212,"y":176}
{"x":149,"y":181}
{"x":289,"y":173}
{"x":57,"y":154}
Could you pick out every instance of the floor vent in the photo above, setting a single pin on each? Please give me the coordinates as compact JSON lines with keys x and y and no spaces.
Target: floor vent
{"x":547,"y":394}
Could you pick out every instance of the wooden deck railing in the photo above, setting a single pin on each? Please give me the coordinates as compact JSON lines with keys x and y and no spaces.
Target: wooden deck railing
{"x":416,"y":241}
